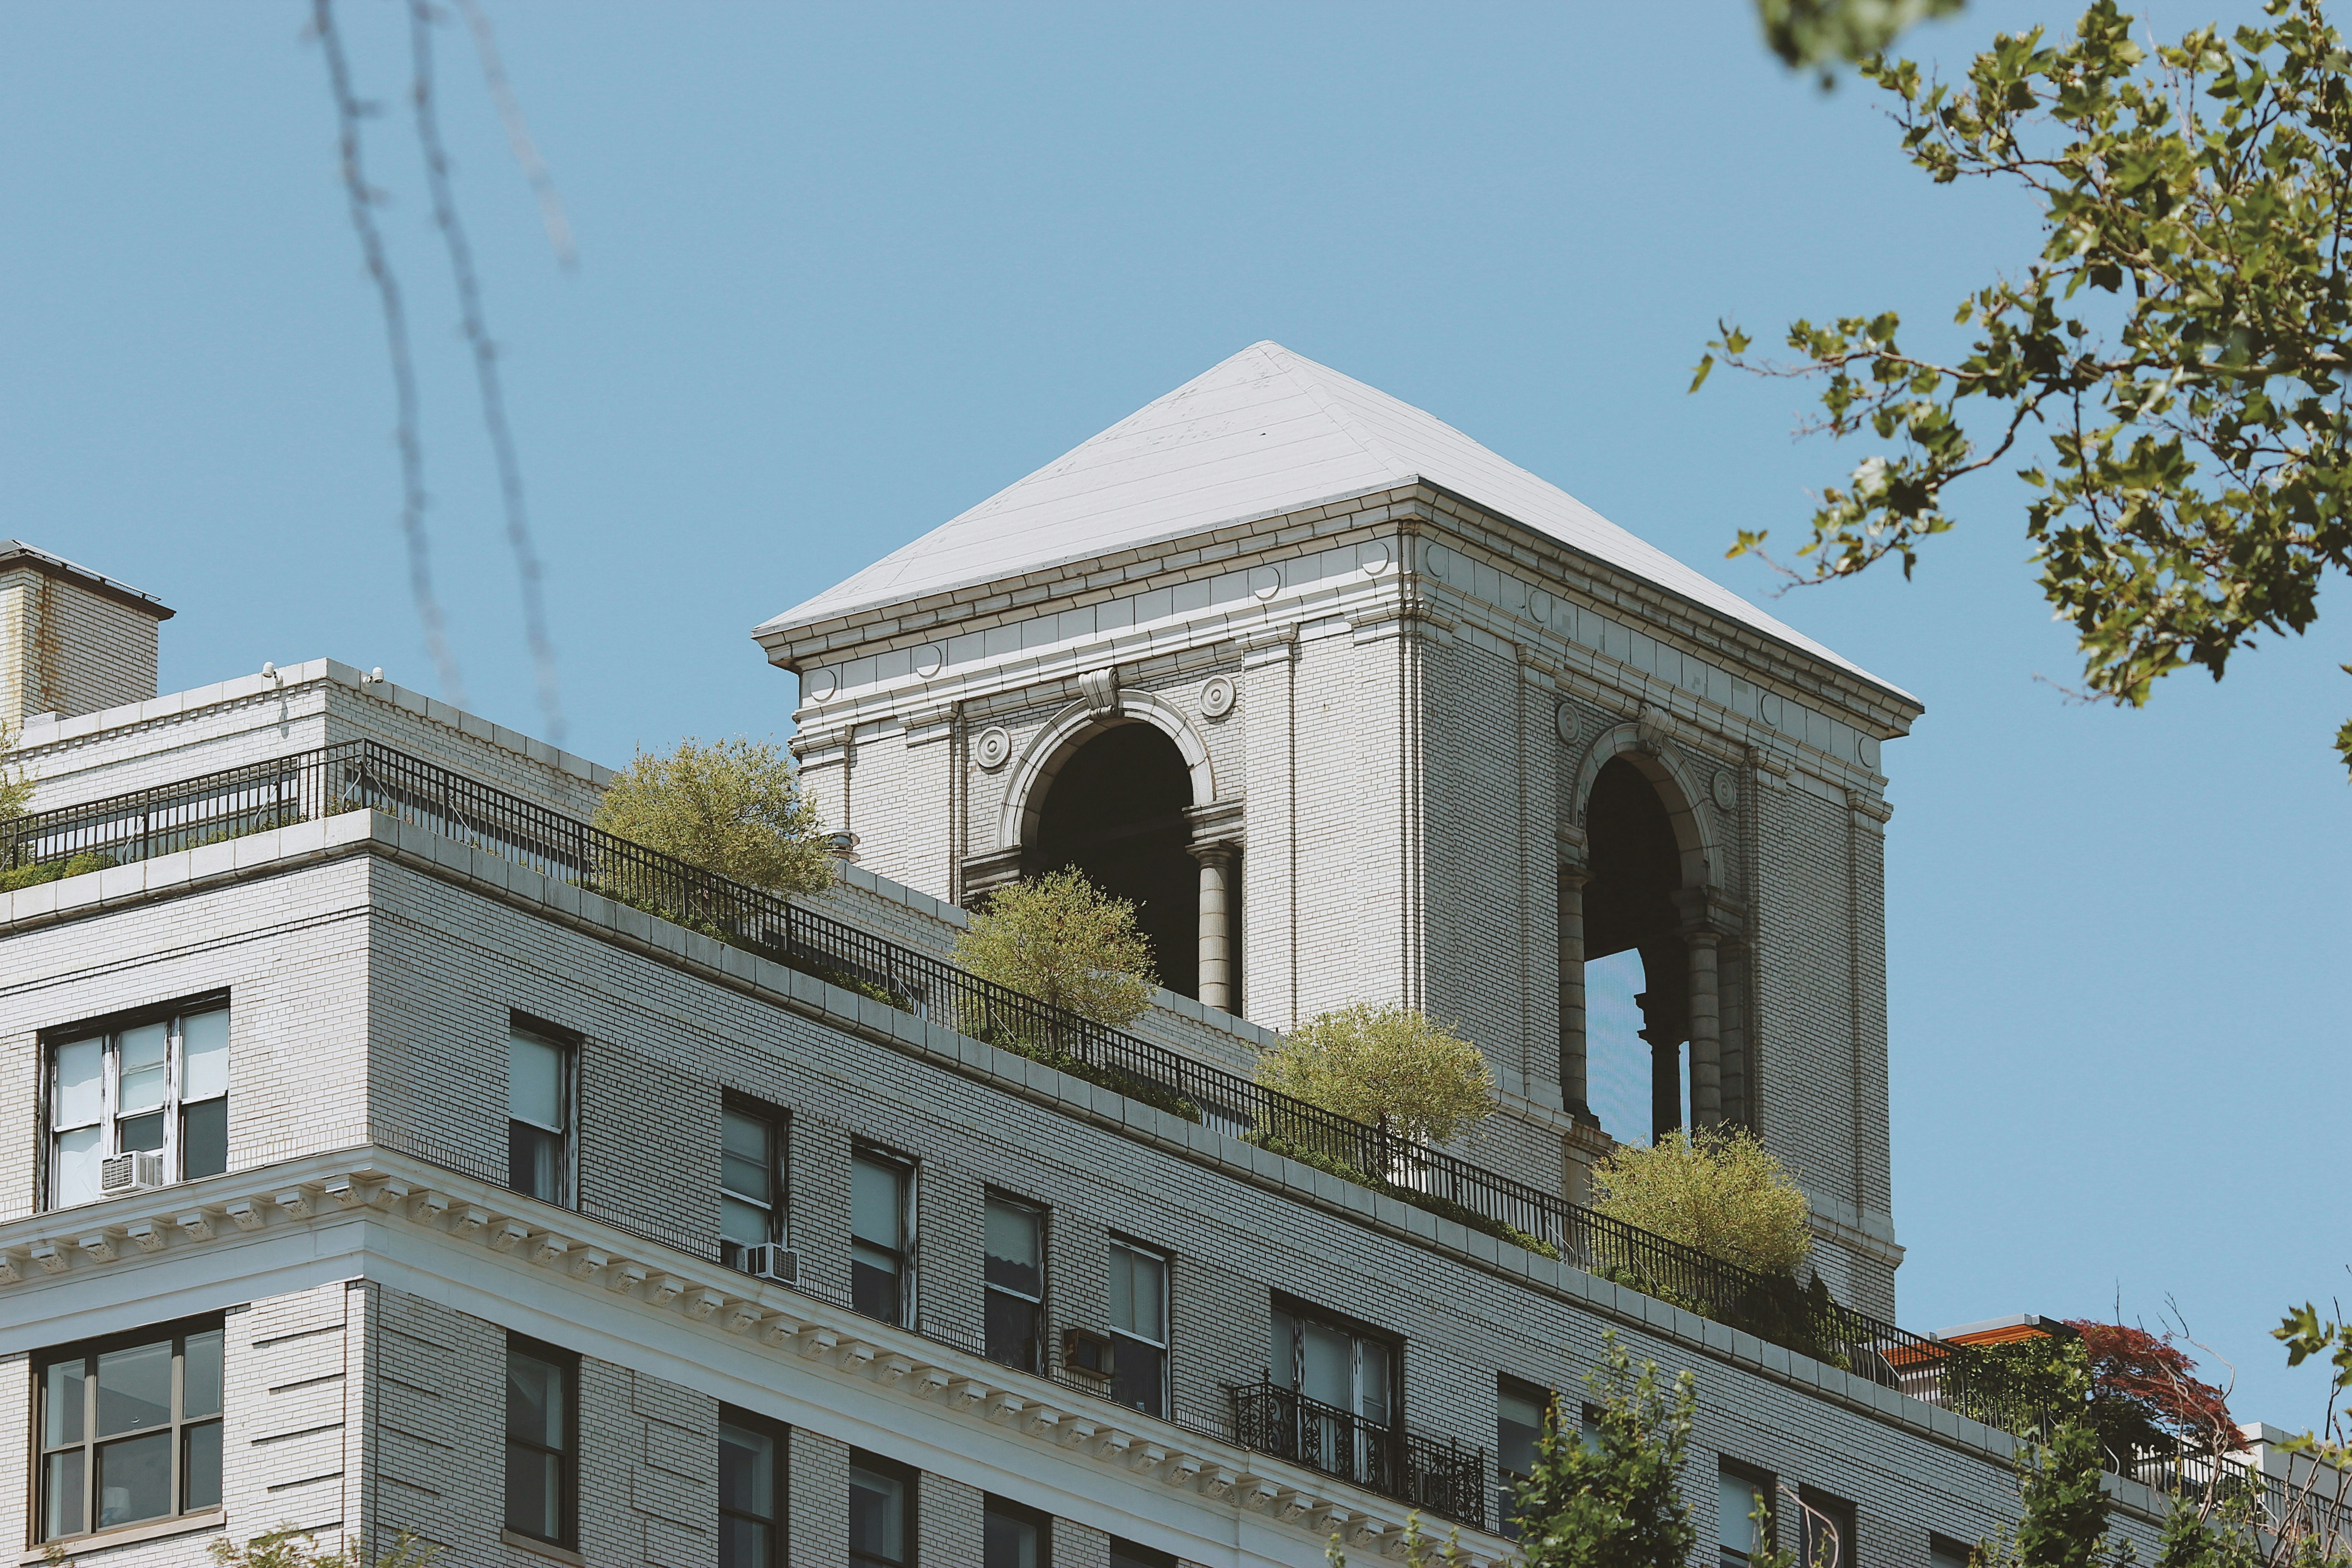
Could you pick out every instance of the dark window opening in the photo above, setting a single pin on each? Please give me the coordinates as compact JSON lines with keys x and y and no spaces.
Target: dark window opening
{"x":538,"y":1116}
{"x":880,"y":1218}
{"x":1629,"y":909}
{"x":1743,"y":1514}
{"x":751,"y":1184}
{"x":543,"y":1460}
{"x":1116,"y":811}
{"x":1519,"y":1411}
{"x":1827,"y":1526}
{"x":1015,"y":1282}
{"x":1128,"y":1555}
{"x":1014,"y":1537}
{"x":881,"y":1513}
{"x":750,"y":1491}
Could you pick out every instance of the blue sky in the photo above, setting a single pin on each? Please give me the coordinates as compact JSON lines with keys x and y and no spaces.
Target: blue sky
{"x":844,"y":273}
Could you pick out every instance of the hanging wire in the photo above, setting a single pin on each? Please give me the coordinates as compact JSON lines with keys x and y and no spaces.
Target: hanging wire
{"x":349,"y":112}
{"x":486,"y":365}
{"x":526,"y":151}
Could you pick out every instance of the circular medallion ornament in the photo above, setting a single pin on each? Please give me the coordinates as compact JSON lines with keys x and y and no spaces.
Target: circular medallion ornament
{"x":929,"y":659}
{"x":819,"y":685}
{"x":991,"y":747}
{"x":1265,"y":582}
{"x":1539,"y":607}
{"x":1725,"y":789}
{"x":1374,"y":557}
{"x":1434,"y":560}
{"x":1569,"y":725}
{"x":1216,"y":696}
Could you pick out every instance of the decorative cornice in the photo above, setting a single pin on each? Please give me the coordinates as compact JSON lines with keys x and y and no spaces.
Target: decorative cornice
{"x":383,"y":1185}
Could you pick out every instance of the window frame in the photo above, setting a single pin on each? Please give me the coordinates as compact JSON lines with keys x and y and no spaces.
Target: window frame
{"x":1044,"y":1523}
{"x":904,"y":1253}
{"x":176,"y":1333}
{"x":107,"y":1031}
{"x":778,"y":1123}
{"x":989,"y":1288}
{"x":910,"y":1480}
{"x":780,"y":1436}
{"x":1762,"y":1483}
{"x":1814,"y":1503}
{"x":1166,"y":1346}
{"x":567,"y":1044}
{"x":567,"y":1364}
{"x":1509,"y":1481}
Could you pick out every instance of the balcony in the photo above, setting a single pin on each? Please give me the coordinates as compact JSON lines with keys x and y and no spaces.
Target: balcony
{"x":1440,"y":1477}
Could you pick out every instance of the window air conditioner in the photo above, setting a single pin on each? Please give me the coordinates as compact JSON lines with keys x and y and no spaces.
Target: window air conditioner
{"x":769,"y":1261}
{"x":130,"y":1173}
{"x":1087,"y":1354}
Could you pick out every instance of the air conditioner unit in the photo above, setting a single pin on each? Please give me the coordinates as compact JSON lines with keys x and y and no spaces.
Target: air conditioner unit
{"x":130,"y":1173}
{"x":1088,"y":1354}
{"x":769,"y":1261}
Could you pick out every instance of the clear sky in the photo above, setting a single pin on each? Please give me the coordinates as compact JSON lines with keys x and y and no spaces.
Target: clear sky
{"x":846,"y":273}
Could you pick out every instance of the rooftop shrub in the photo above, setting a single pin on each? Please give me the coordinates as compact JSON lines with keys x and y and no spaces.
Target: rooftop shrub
{"x":1721,"y":1192}
{"x":1060,"y":938}
{"x":734,"y":807}
{"x":1388,"y":1067}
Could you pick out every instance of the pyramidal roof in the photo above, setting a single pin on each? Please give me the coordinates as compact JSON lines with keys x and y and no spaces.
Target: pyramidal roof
{"x":1264,"y":433}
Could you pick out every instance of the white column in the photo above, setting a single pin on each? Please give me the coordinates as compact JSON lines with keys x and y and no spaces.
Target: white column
{"x":1705,"y":1032}
{"x":1217,"y":925}
{"x":1573,"y":1092}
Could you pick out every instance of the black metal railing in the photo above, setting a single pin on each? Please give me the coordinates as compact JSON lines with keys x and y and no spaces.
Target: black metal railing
{"x":364,"y":775}
{"x":1440,"y":1477}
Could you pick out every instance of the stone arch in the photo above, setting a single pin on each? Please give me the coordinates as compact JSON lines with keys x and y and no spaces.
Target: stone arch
{"x":1640,"y":745}
{"x":1032,"y":773}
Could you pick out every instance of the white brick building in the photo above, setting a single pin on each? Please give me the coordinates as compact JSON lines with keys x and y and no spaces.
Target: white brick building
{"x":369,"y":1168}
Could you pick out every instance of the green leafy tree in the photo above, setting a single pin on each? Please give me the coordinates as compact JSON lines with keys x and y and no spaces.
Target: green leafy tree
{"x":1390,"y":1067}
{"x":1817,"y":32}
{"x":1611,"y":1500}
{"x":2171,"y":368}
{"x":1063,"y":941}
{"x":16,"y":789}
{"x":732,"y":806}
{"x":1721,"y":1192}
{"x":291,"y":1548}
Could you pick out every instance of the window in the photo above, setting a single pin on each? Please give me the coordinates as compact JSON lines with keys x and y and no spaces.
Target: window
{"x":879,"y":1192}
{"x":750,"y":1488}
{"x":1139,"y":1326}
{"x":881,"y":1513}
{"x":129,"y":1430}
{"x":1742,"y":1513}
{"x":1828,"y":1530}
{"x":1016,"y":1283}
{"x":1346,"y":1378}
{"x":1128,"y":1555}
{"x":158,"y":1088}
{"x":1943,"y":1552}
{"x":539,"y":1103}
{"x":1519,"y":1429}
{"x":751,"y":1182}
{"x":542,"y":1468}
{"x":1011,"y":1536}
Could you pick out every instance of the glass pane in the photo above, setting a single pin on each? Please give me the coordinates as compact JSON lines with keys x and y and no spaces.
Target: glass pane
{"x":64,"y":1496}
{"x":80,"y":1154}
{"x":139,"y":1133}
{"x":747,"y":1470}
{"x":61,"y":1403}
{"x":134,"y":1388}
{"x":204,"y":1055}
{"x":1282,"y":1354}
{"x":1327,"y":1366}
{"x":1138,"y":1294}
{"x":1136,"y":1379}
{"x":742,"y":1542}
{"x":873,"y":1284}
{"x":200,"y":1375}
{"x":535,"y":1081}
{"x":141,"y":1084}
{"x":200,"y":1458}
{"x":534,"y":1400}
{"x":134,"y":1480}
{"x":1736,"y":1500}
{"x":534,"y":1492}
{"x":743,"y":1224}
{"x":1011,"y":1322}
{"x":203,"y":1140}
{"x":877,"y":1203}
{"x":1518,"y":1426}
{"x":1008,"y":1540}
{"x":877,"y":1514}
{"x":79,"y":1100}
{"x":1372,"y":1381}
{"x":1014,"y":1260}
{"x":535,"y":1161}
{"x":745,"y":1165}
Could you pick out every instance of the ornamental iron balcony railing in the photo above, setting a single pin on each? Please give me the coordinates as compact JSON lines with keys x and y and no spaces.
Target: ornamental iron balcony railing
{"x":1439,"y":1477}
{"x":367,"y":776}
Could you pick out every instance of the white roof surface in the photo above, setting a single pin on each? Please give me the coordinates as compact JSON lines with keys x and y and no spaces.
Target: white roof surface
{"x":1265,"y":432}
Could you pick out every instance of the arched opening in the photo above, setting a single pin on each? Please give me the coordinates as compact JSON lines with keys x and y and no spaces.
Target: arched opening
{"x":1637,"y":966}
{"x":1115,"y":809}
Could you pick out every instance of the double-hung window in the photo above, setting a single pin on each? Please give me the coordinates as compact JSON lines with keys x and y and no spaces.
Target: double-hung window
{"x":129,"y":1430}
{"x":1828,"y":1530}
{"x":1519,"y":1411}
{"x":1742,"y":1513}
{"x":751,"y":1184}
{"x":138,"y":1105}
{"x":1139,"y":1326}
{"x":1016,"y":1283}
{"x":538,"y":1116}
{"x":881,"y":1513}
{"x":542,"y":1438}
{"x":750,"y":1491}
{"x":881,"y":1206}
{"x":1011,"y":1536}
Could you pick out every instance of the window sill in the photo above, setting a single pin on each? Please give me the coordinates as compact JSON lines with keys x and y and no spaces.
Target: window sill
{"x":547,"y":1549}
{"x":129,"y":1534}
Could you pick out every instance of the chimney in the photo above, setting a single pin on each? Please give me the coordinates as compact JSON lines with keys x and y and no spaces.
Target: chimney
{"x":71,"y":641}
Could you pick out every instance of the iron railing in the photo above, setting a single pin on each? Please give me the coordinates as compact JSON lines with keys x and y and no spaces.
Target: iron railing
{"x":366,"y":775}
{"x":1440,"y":1477}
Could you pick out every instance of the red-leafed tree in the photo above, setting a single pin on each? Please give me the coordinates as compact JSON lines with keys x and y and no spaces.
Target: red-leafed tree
{"x":2144,"y":1392}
